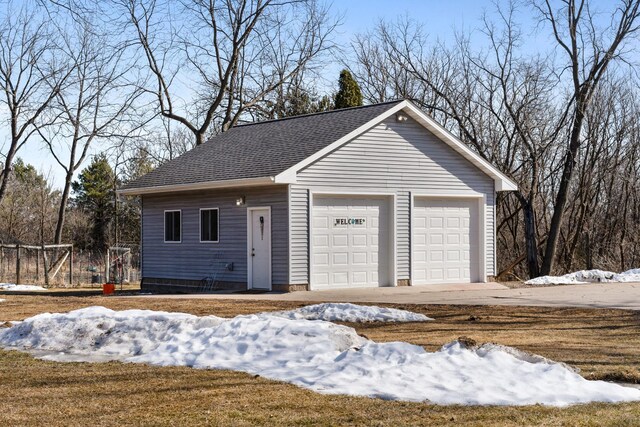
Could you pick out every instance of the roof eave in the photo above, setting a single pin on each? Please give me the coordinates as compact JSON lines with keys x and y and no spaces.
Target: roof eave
{"x":502,"y":182}
{"x":231,"y":183}
{"x":286,"y":175}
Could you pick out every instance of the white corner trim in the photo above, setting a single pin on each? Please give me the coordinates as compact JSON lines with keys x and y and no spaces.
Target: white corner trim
{"x":287,"y":177}
{"x":246,"y":182}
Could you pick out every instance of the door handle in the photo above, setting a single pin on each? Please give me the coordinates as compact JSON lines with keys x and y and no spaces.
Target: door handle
{"x":253,"y":251}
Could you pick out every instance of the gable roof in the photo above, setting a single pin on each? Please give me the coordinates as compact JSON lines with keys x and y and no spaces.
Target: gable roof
{"x":273,"y":151}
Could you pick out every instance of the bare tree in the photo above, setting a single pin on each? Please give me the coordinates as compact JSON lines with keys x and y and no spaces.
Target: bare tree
{"x":494,"y":101}
{"x":518,"y":112}
{"x":212,"y":60}
{"x":96,"y":102}
{"x":589,"y":51}
{"x":27,"y":65}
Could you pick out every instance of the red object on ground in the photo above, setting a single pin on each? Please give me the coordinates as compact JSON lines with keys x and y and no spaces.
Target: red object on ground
{"x":108,"y":288}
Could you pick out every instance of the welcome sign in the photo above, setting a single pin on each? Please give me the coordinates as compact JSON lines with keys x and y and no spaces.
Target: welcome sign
{"x":348,"y":221}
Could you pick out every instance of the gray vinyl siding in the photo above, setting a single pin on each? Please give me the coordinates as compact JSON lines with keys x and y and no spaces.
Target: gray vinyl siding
{"x":403,"y":157}
{"x":193,"y":260}
{"x":298,"y":234}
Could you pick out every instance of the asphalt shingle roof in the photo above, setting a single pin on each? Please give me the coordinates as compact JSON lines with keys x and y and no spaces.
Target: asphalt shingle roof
{"x":260,"y":149}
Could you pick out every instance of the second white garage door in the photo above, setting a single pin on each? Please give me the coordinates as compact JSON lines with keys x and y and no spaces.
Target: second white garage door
{"x":445,"y":241}
{"x":350,"y":242}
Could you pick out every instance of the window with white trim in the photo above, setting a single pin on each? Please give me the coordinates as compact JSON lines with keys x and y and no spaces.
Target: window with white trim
{"x":172,"y":226}
{"x":209,"y":225}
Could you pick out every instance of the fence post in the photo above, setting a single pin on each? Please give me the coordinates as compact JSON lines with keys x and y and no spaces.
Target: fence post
{"x":38,"y":265}
{"x":45,"y":265}
{"x":71,"y":265}
{"x":129,"y":266}
{"x":106,"y":272}
{"x":17,"y":264}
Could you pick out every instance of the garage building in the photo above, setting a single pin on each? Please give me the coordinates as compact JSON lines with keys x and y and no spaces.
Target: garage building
{"x":379,"y":195}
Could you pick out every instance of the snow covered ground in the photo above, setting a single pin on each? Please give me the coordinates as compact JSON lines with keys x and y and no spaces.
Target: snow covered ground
{"x":21,"y":288}
{"x":587,"y":276}
{"x":317,"y":355}
{"x":345,"y":312}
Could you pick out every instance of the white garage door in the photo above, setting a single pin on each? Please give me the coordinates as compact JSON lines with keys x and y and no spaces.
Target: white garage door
{"x":350,"y":242}
{"x":445,"y":241}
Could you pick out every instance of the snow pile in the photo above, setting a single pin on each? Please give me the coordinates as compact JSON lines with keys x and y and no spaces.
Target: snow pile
{"x":587,"y":276}
{"x":345,"y":312}
{"x":632,"y":275}
{"x":102,"y":332}
{"x":20,"y":288}
{"x":318,"y":355}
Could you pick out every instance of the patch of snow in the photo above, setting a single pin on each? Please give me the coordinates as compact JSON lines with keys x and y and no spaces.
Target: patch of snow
{"x":345,"y":312}
{"x":20,"y":288}
{"x":587,"y":276}
{"x":317,"y":355}
{"x":632,"y":275}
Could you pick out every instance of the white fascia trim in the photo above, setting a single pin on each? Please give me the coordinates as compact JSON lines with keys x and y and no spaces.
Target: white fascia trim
{"x":347,"y":191}
{"x":286,"y":175}
{"x":446,"y":194}
{"x":502,"y":183}
{"x":247,"y":182}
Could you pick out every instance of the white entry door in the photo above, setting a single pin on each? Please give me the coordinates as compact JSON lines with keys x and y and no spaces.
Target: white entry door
{"x":350,"y":242}
{"x":445,"y":241}
{"x":259,"y":248}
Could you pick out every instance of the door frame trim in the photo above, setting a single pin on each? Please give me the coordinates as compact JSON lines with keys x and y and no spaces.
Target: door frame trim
{"x":390,"y":198}
{"x":249,"y":245}
{"x":482,"y":229}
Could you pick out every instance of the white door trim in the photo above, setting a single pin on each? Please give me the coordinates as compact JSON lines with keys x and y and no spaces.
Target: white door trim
{"x":250,"y":245}
{"x":392,"y":231}
{"x":482,"y":226}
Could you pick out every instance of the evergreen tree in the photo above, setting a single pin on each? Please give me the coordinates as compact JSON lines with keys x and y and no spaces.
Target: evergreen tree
{"x":296,"y":100}
{"x":349,"y":94}
{"x":95,"y":194}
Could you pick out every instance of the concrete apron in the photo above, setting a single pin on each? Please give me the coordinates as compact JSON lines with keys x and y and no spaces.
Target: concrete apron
{"x":593,"y":295}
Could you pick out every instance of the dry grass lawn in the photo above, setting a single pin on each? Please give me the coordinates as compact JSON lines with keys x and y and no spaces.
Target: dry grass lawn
{"x":602,"y":343}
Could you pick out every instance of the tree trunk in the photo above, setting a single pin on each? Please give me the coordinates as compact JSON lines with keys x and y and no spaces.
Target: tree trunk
{"x":530,"y":239}
{"x":563,"y":191}
{"x":6,"y":172}
{"x":530,"y":236}
{"x":62,"y":210}
{"x":199,"y":138}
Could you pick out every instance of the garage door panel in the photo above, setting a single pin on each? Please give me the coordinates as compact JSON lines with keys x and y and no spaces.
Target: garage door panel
{"x":340,"y":241}
{"x":360,"y":258}
{"x":357,"y":233}
{"x":436,"y":238}
{"x":340,"y":258}
{"x":340,"y":278}
{"x":359,"y":240}
{"x":445,"y":236}
{"x":321,"y":259}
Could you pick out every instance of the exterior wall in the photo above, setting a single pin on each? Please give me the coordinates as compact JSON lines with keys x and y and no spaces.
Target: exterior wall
{"x":192,"y":260}
{"x":404,"y":157}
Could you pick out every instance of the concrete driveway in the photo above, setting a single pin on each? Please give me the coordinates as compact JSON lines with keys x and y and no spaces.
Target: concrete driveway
{"x":595,"y":295}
